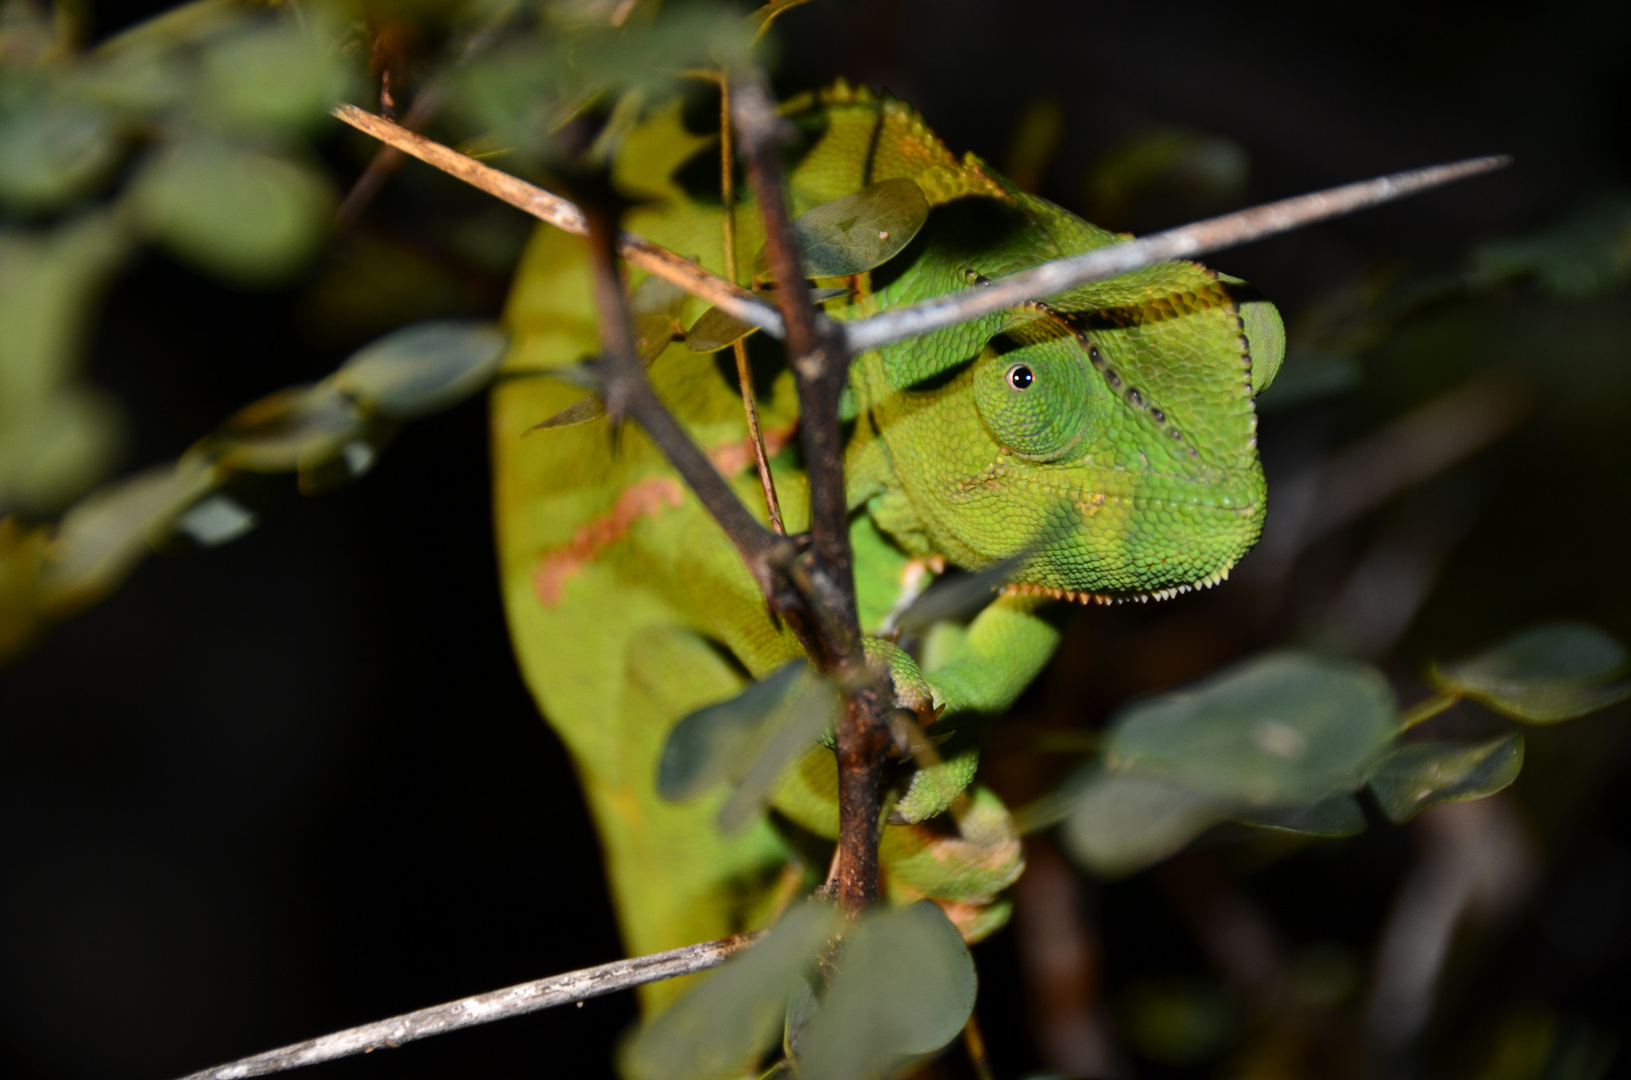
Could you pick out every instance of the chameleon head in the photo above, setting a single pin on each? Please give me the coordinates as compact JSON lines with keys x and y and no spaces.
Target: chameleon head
{"x":1110,"y":434}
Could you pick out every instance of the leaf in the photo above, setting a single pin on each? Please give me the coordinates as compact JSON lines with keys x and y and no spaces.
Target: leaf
{"x":720,"y":1027}
{"x":715,"y":744}
{"x":1413,"y":777}
{"x":856,"y":232}
{"x":904,"y":986}
{"x":1283,"y":729}
{"x":1556,"y":671}
{"x":104,"y":535}
{"x":423,"y":368}
{"x":714,"y":330}
{"x":1123,"y":822}
{"x":273,"y":74}
{"x":1586,"y":254}
{"x":53,"y":450}
{"x":808,"y":711}
{"x":295,"y":428}
{"x":579,"y":412}
{"x":251,"y":217}
{"x":1332,"y":816}
{"x":52,"y":152}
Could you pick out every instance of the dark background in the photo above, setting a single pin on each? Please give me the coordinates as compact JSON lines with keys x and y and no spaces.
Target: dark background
{"x":295,"y":783}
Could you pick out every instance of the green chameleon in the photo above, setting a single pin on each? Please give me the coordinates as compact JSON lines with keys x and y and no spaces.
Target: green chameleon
{"x":1106,"y":438}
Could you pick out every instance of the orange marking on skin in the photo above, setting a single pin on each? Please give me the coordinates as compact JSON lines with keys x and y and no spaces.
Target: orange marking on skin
{"x":646,"y":498}
{"x":732,"y":457}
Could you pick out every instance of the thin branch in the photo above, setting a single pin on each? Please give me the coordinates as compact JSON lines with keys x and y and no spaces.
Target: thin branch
{"x":1184,"y":242}
{"x":819,"y":358}
{"x":565,"y":215}
{"x":516,"y":1000}
{"x":739,"y":347}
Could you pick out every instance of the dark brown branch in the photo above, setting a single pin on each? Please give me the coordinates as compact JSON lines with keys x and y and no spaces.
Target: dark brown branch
{"x":562,"y":214}
{"x":820,"y":362}
{"x":628,"y":393}
{"x":484,"y":1008}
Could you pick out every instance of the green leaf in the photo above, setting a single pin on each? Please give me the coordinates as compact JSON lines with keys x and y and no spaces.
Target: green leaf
{"x":292,"y":429}
{"x":718,"y":1029}
{"x":1123,"y":822}
{"x":1334,"y":815}
{"x":272,"y":73}
{"x":251,"y":217}
{"x":714,"y":330}
{"x":53,"y":450}
{"x":905,"y":986}
{"x":1556,"y":671}
{"x":808,"y":710}
{"x":423,"y":368}
{"x":1586,"y":254}
{"x":717,"y":743}
{"x":103,"y":536}
{"x":1413,"y":777}
{"x":52,"y":152}
{"x":1283,"y":729}
{"x":857,"y":232}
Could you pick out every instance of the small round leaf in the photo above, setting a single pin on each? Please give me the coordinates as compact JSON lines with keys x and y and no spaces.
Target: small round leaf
{"x":423,"y":368}
{"x":1123,"y":822}
{"x":1413,"y":777}
{"x":1553,"y":672}
{"x":291,"y":429}
{"x":857,"y":232}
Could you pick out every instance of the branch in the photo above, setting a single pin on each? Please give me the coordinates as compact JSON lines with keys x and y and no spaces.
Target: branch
{"x":1186,"y":241}
{"x":819,"y":357}
{"x":484,"y":1008}
{"x":564,"y":215}
{"x":629,"y":393}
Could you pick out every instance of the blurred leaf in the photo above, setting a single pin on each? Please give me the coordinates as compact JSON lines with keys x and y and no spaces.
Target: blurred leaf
{"x":857,"y":232}
{"x":1282,"y":729}
{"x":22,"y":562}
{"x":48,"y":285}
{"x":905,"y":986}
{"x":1179,"y":1021}
{"x":579,"y":412}
{"x":1035,"y":142}
{"x":1306,"y":377}
{"x":57,"y":448}
{"x":104,"y":535}
{"x":1182,"y":172}
{"x":1123,"y":822}
{"x":290,"y":429}
{"x":273,"y":73}
{"x":808,"y":711}
{"x":775,"y":9}
{"x":423,"y":368}
{"x":716,"y":744}
{"x":1552,"y":672}
{"x":53,"y":151}
{"x":714,"y":330}
{"x":1586,"y":254}
{"x":218,"y":519}
{"x":718,"y":1029}
{"x":251,"y":217}
{"x":1334,"y":815}
{"x":654,"y":306}
{"x":1413,"y":777}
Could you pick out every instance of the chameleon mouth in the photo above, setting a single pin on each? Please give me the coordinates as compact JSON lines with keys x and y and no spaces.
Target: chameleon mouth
{"x":1087,"y":598}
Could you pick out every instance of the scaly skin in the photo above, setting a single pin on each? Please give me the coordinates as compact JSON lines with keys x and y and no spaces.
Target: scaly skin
{"x":629,"y":608}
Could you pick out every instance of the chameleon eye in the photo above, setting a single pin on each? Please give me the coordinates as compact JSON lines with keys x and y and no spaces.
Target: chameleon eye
{"x":1020,"y":377}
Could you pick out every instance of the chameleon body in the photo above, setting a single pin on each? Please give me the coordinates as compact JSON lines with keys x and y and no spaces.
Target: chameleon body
{"x":1107,"y":436}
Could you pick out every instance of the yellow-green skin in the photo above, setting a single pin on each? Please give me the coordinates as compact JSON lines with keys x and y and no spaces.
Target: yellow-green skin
{"x":629,"y":609}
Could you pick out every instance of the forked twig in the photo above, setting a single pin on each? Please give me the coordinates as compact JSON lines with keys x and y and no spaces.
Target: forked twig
{"x":502,"y":1004}
{"x":565,"y":215}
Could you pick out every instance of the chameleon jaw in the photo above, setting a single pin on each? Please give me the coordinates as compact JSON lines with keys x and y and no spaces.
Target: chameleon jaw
{"x":1087,"y":598}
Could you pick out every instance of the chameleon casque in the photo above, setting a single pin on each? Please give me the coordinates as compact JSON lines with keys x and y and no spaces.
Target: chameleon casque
{"x":1108,"y":436}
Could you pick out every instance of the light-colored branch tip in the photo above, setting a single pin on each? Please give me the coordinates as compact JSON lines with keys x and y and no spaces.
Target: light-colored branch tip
{"x":484,"y":1008}
{"x":1184,"y":242}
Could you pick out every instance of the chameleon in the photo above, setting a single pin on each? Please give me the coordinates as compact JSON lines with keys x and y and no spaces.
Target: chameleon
{"x":1104,"y":440}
